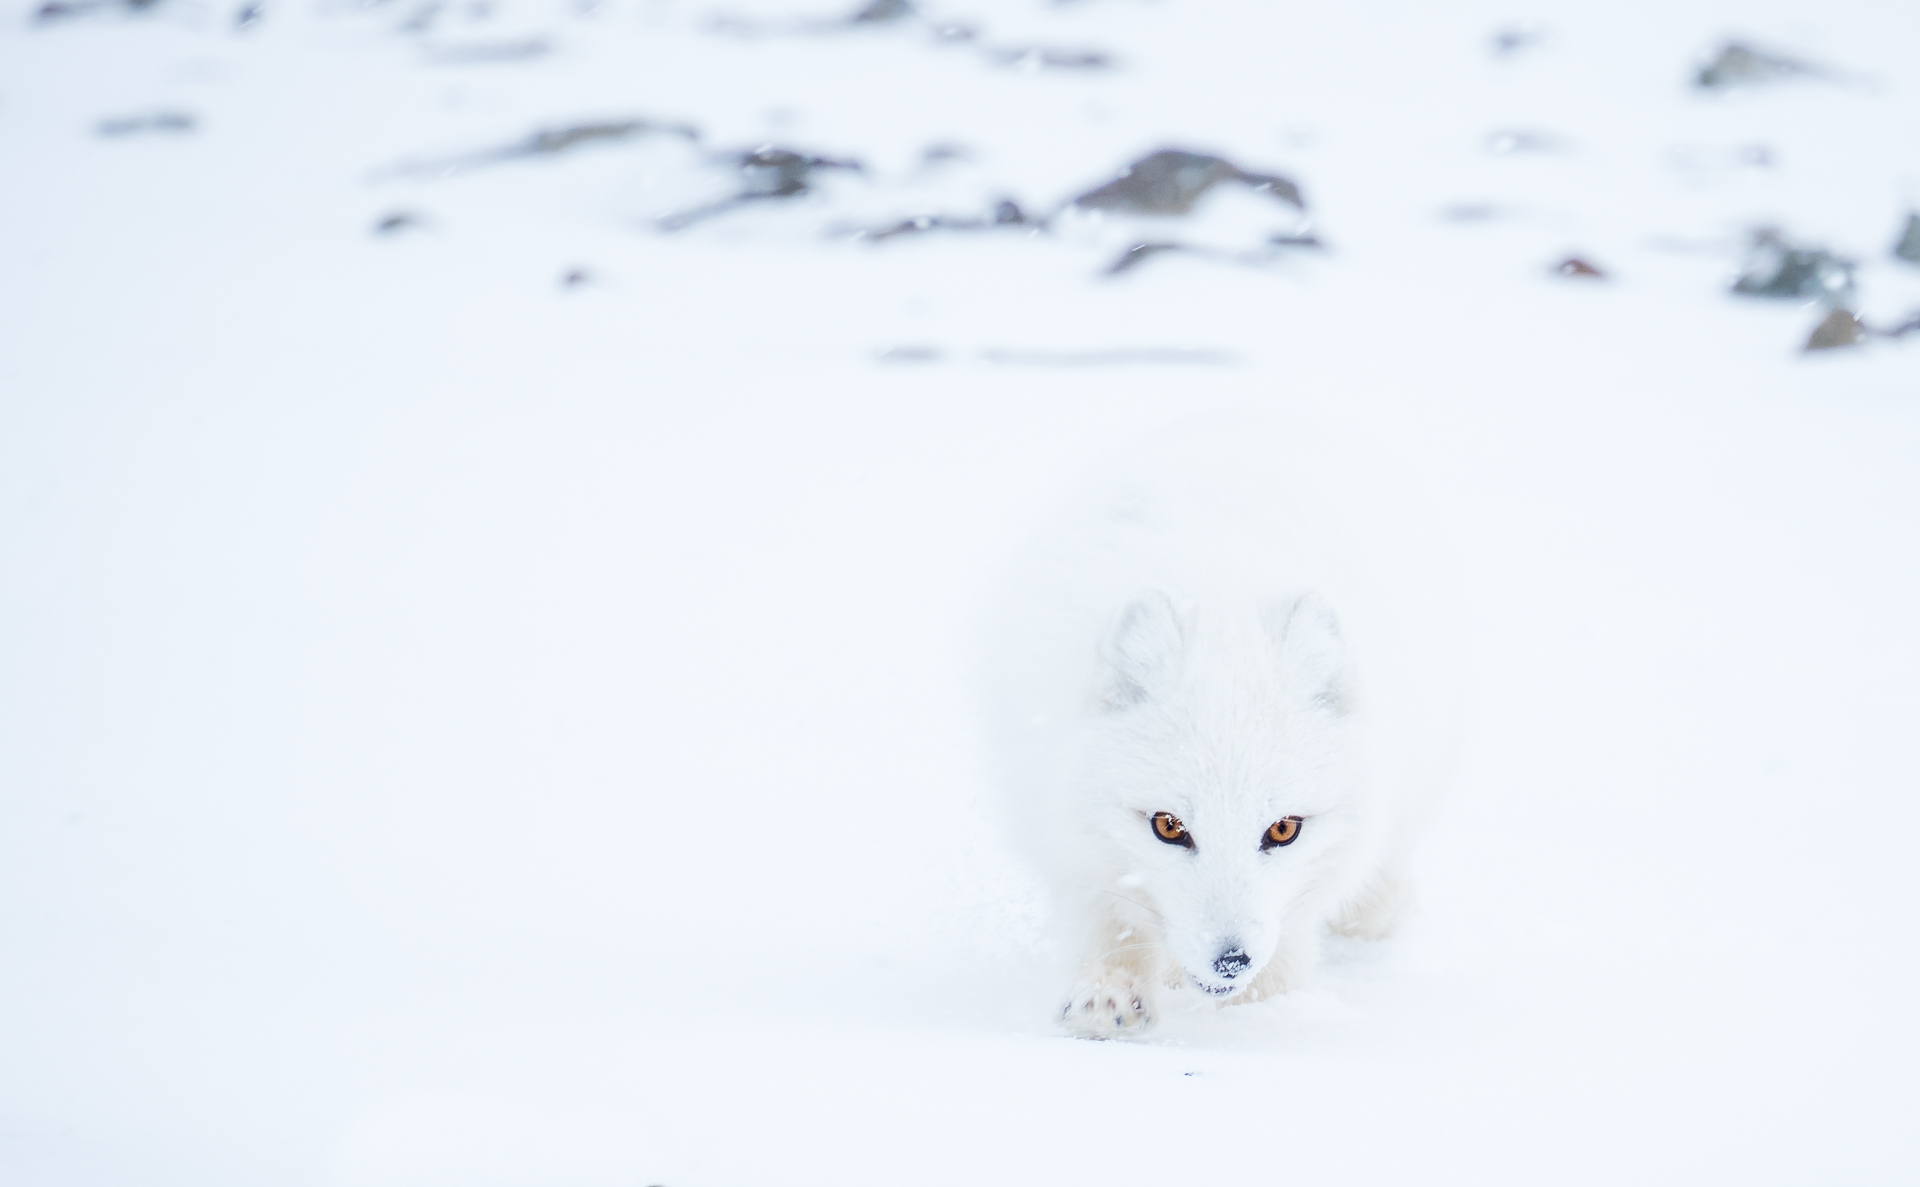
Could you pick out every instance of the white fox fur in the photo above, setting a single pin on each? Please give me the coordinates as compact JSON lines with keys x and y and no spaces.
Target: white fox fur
{"x":1234,"y":631}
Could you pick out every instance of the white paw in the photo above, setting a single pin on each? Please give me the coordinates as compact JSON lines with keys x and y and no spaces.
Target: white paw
{"x":1107,"y":1003}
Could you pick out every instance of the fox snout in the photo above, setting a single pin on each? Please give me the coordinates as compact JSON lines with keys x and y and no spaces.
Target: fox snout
{"x":1232,"y":962}
{"x":1229,"y":970}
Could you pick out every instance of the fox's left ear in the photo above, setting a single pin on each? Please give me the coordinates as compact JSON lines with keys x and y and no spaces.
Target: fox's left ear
{"x":1142,"y":650}
{"x":1313,"y":656}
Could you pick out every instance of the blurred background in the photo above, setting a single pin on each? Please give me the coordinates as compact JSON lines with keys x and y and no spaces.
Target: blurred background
{"x":496,"y":498}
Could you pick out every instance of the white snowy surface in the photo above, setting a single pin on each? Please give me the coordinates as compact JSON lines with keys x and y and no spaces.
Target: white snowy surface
{"x":461,"y":729}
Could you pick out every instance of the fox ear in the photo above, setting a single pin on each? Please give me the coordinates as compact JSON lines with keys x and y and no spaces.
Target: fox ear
{"x":1143,"y":648}
{"x":1313,"y":656}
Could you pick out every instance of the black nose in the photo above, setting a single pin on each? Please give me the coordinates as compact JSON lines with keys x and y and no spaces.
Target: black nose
{"x":1231,"y":963}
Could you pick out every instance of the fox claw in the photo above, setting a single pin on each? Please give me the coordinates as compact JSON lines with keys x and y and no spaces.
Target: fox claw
{"x":1108,"y":1004}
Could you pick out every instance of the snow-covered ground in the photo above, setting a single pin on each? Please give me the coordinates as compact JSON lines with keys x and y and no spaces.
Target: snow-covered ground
{"x":488,"y":701}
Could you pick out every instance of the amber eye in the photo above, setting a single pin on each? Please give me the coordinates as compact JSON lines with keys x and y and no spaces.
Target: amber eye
{"x":1168,"y":828}
{"x":1281,"y":832}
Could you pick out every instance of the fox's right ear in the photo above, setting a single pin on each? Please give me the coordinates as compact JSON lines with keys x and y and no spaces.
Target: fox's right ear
{"x":1141,"y":651}
{"x":1313,"y":655}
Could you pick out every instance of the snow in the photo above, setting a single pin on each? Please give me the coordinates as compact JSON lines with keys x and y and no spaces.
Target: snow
{"x":458,"y":728}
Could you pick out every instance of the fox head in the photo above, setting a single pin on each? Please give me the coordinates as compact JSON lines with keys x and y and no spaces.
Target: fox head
{"x":1222,"y":774}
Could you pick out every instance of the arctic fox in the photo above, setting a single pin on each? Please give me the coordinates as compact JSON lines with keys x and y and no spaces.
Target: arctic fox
{"x":1221,"y":699}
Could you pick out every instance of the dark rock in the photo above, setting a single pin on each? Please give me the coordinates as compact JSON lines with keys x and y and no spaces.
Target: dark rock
{"x":1170,"y":181}
{"x":1908,"y":246}
{"x":767,"y":172}
{"x":1839,"y":328}
{"x":545,"y":143}
{"x":1575,"y":266}
{"x":770,"y":172}
{"x":1256,"y":256}
{"x":1741,"y":65}
{"x":873,"y":13}
{"x":1779,"y":269}
{"x":1513,"y":39}
{"x":1139,"y":254}
{"x":1006,"y":214}
{"x":573,"y":278}
{"x":397,"y":221}
{"x":918,"y":224}
{"x":159,"y":121}
{"x":56,"y":10}
{"x":559,"y":140}
{"x":880,"y":12}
